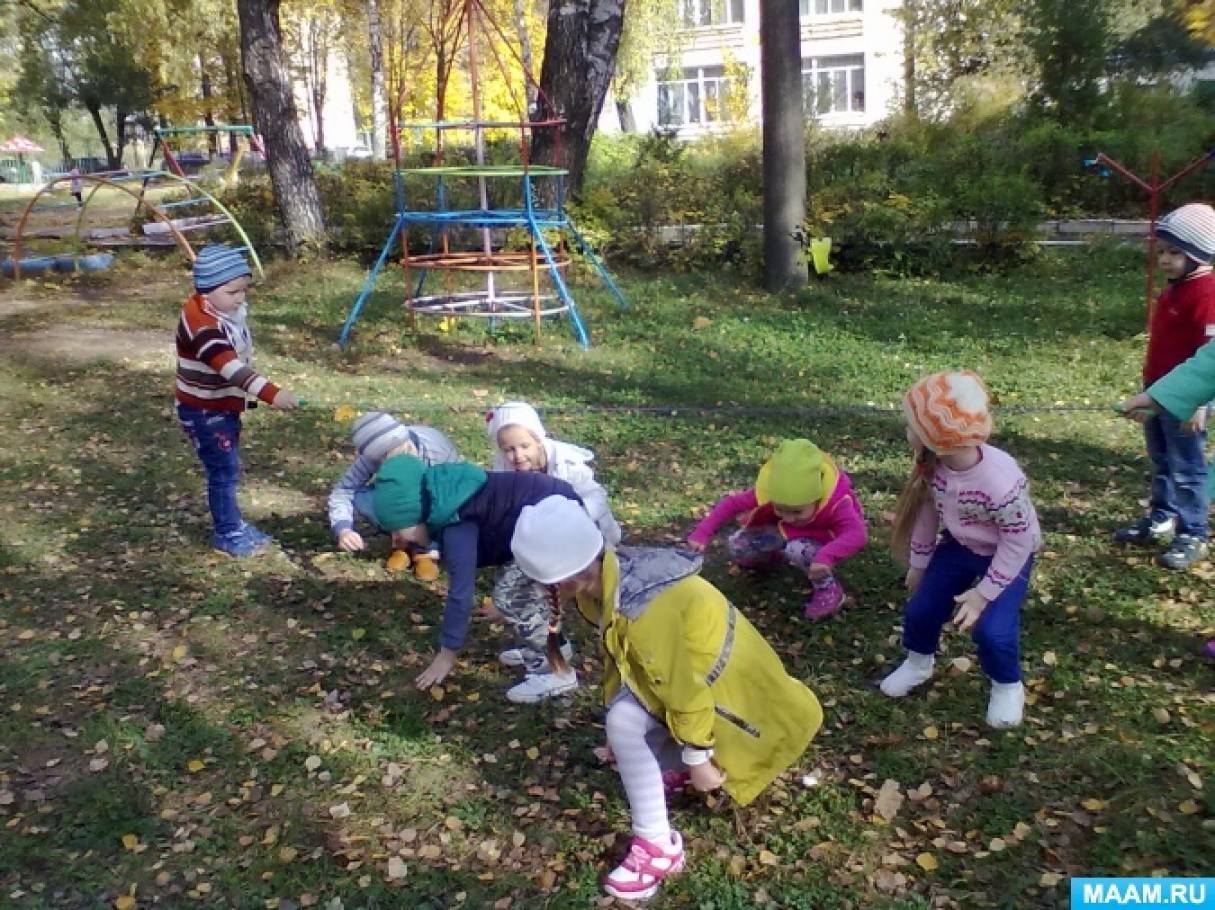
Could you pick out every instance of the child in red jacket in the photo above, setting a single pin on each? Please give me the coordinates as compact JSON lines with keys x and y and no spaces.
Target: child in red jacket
{"x":802,"y":509}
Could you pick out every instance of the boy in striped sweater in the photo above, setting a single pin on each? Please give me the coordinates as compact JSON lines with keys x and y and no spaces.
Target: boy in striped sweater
{"x":215,"y":383}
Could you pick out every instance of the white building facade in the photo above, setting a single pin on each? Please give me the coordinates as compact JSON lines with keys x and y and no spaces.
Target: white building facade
{"x":852,"y":67}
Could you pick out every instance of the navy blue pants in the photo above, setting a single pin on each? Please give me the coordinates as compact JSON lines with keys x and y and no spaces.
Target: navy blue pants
{"x":1179,"y":474}
{"x":216,"y":438}
{"x":953,"y":570}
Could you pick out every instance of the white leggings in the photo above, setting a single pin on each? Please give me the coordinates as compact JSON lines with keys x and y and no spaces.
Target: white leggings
{"x":644,"y":748}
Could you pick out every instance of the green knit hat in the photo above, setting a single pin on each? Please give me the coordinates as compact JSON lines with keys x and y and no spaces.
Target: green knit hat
{"x":407,"y":493}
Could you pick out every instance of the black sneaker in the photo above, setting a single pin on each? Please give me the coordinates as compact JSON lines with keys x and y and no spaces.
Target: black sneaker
{"x":1183,"y":552}
{"x":1146,"y":530}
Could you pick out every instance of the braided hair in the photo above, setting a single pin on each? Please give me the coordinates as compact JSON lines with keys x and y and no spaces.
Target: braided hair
{"x":556,"y":660}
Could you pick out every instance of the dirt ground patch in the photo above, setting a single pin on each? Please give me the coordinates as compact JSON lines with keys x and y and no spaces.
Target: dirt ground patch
{"x":77,"y":344}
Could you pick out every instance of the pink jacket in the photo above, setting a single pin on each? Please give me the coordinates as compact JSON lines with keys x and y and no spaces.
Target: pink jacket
{"x":839,"y":525}
{"x":986,"y":509}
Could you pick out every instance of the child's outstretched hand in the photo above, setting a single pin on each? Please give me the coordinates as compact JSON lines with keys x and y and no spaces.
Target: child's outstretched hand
{"x":1197,"y":423}
{"x":971,"y":605}
{"x":707,"y":776}
{"x":443,"y":664}
{"x":285,"y":401}
{"x":695,"y":545}
{"x":1139,"y":408}
{"x":350,"y":541}
{"x":817,"y":571}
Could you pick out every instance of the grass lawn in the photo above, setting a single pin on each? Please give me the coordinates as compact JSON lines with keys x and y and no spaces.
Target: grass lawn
{"x":178,"y":729}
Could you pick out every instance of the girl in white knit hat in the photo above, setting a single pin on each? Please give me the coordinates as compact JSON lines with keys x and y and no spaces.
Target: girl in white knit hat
{"x":377,"y":436}
{"x":520,"y":443}
{"x":689,"y":683}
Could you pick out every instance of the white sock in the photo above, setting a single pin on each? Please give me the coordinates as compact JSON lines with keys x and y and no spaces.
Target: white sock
{"x":1006,"y":705}
{"x":914,"y":671}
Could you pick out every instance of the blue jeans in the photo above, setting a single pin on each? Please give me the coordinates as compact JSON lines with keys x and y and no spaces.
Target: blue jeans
{"x":953,"y":570}
{"x":1179,"y":474}
{"x":216,"y":438}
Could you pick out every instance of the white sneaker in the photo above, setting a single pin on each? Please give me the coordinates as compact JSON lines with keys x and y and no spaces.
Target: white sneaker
{"x":513,"y":657}
{"x":539,"y":686}
{"x":1006,"y":705}
{"x":914,"y":671}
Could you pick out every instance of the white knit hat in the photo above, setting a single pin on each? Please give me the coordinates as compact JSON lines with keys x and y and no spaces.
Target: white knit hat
{"x":1191,"y":229}
{"x":514,"y":413}
{"x":375,"y":434}
{"x":554,"y":540}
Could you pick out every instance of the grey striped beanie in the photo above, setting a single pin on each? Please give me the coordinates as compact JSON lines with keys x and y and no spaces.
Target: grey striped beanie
{"x":218,"y":264}
{"x":375,"y":434}
{"x":1191,"y":229}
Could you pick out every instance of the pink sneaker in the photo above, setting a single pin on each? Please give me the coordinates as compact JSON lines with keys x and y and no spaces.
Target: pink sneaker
{"x":825,"y":601}
{"x":675,"y":781}
{"x":643,"y":870}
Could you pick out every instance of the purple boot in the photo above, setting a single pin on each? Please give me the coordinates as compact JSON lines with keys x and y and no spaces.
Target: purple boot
{"x":825,"y":600}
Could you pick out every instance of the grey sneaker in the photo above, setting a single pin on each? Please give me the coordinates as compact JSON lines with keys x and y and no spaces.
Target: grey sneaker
{"x":1147,"y":530}
{"x":1183,"y":552}
{"x":514,"y":657}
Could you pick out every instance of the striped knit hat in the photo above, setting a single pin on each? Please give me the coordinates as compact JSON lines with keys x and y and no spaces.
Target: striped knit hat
{"x":218,"y":264}
{"x":375,"y":434}
{"x":1191,"y":229}
{"x":949,"y":410}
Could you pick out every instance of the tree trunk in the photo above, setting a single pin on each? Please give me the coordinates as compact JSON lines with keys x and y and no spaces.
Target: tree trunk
{"x":277,"y":121}
{"x":525,"y":54}
{"x":375,"y":47}
{"x":784,"y":144}
{"x":910,"y":14}
{"x":208,"y":111}
{"x":94,"y":109}
{"x":624,"y":111}
{"x":120,"y":134}
{"x":579,"y":61}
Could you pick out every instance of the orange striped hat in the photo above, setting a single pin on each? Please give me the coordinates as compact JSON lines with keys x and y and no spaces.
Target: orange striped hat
{"x":949,"y":410}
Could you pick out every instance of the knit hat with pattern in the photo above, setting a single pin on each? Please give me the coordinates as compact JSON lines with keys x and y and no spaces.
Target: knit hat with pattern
{"x":376,"y":433}
{"x":1191,"y":229}
{"x":218,"y":264}
{"x":949,"y":410}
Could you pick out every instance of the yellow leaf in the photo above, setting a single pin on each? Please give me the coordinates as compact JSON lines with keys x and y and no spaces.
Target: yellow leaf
{"x":437,"y":693}
{"x":276,"y":789}
{"x":533,"y":753}
{"x":701,"y":322}
{"x":926,"y":861}
{"x":130,"y":841}
{"x":126,"y":902}
{"x":344,"y":412}
{"x":768,"y":858}
{"x":179,"y":652}
{"x":931,"y":732}
{"x":1093,"y":805}
{"x":997,"y":844}
{"x":288,"y":854}
{"x":1187,"y":807}
{"x":1050,"y":658}
{"x":357,"y":634}
{"x":1022,"y":830}
{"x":195,"y":765}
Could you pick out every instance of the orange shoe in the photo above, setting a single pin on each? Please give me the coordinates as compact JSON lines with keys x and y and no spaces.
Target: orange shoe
{"x":425,"y":568}
{"x":398,"y":561}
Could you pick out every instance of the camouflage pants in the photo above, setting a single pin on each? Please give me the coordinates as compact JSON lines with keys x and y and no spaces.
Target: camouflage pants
{"x":764,"y":547}
{"x":524,"y":605}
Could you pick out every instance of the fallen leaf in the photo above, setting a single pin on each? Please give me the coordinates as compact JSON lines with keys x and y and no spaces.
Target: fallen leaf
{"x":701,"y":322}
{"x":1093,"y":805}
{"x":343,"y":413}
{"x":1050,"y":658}
{"x":889,"y":800}
{"x":931,"y":732}
{"x":1161,"y":715}
{"x":926,"y":861}
{"x":130,"y":841}
{"x":396,"y":868}
{"x":126,"y":902}
{"x":312,"y":762}
{"x":358,"y":634}
{"x":533,"y":753}
{"x":1022,"y":830}
{"x":1050,"y":879}
{"x":99,"y":764}
{"x":997,"y":844}
{"x":154,"y":733}
{"x":180,"y":651}
{"x":961,"y":664}
{"x":195,"y":765}
{"x":437,"y":693}
{"x":341,"y":810}
{"x":287,"y":854}
{"x":1187,"y":807}
{"x":768,"y":858}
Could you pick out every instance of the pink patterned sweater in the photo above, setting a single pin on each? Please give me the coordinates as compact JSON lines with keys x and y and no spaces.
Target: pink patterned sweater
{"x":987,"y":509}
{"x":839,"y":525}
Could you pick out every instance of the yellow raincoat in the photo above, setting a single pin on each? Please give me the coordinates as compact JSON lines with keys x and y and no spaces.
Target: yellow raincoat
{"x":696,"y":663}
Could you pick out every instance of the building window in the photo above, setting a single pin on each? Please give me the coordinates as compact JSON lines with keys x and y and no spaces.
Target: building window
{"x":715,"y":12}
{"x":833,"y":85}
{"x":699,"y":96}
{"x":829,"y":7}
